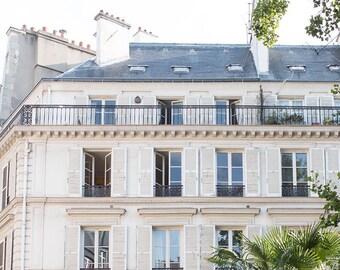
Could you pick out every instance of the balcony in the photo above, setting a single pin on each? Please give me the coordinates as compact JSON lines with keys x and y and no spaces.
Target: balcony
{"x":95,"y":268}
{"x":289,"y":190}
{"x":229,"y":190}
{"x":168,"y":191}
{"x":246,"y":115}
{"x":97,"y":191}
{"x":171,"y":268}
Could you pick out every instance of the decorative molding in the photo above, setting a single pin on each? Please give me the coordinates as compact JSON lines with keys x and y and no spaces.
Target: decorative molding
{"x":95,"y":211}
{"x":167,"y":211}
{"x":294,"y":211}
{"x":231,"y":211}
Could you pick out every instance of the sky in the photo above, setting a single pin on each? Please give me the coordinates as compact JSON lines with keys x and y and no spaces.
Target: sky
{"x":175,"y":21}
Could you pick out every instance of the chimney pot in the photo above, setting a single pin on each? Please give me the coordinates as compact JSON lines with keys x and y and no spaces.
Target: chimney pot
{"x":32,"y":28}
{"x":123,"y":20}
{"x":54,"y":32}
{"x":88,"y":46}
{"x":101,"y":11}
{"x":44,"y":28}
{"x":62,"y":32}
{"x":139,"y":28}
{"x":144,"y":30}
{"x":24,"y":27}
{"x":118,"y":18}
{"x":107,"y":14}
{"x":150,"y":33}
{"x":81,"y":44}
{"x":73,"y":42}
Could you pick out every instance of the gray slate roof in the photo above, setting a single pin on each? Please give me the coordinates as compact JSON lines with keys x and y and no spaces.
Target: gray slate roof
{"x":208,"y":62}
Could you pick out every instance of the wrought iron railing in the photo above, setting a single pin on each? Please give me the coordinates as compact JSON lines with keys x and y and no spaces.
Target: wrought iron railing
{"x":168,"y":190}
{"x":172,"y":115}
{"x":97,"y":191}
{"x":300,"y":190}
{"x":170,"y":268}
{"x":95,"y":268}
{"x":229,"y":190}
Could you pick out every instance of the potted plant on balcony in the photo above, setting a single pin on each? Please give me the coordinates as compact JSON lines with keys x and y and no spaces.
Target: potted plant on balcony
{"x":334,"y":120}
{"x":272,"y":119}
{"x":292,"y":119}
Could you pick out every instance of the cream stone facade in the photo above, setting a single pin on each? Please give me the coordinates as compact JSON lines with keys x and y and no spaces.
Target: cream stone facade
{"x":148,"y":163}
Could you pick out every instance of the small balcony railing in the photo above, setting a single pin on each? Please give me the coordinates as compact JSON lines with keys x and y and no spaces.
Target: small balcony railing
{"x":170,"y":268}
{"x":229,"y":190}
{"x":168,"y":190}
{"x":95,"y":268}
{"x":97,"y":191}
{"x":300,"y":190}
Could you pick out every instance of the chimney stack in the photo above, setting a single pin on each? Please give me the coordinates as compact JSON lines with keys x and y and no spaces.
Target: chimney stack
{"x":112,"y":39}
{"x":144,"y":36}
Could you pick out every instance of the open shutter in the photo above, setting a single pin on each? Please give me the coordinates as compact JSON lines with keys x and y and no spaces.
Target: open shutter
{"x":273,"y":157}
{"x":270,"y":100}
{"x":191,"y":252}
{"x":252,"y":172}
{"x":317,"y":164}
{"x":208,"y":171}
{"x":191,"y":113}
{"x":248,"y":115}
{"x":146,"y":172}
{"x":12,"y":177}
{"x":9,"y":243}
{"x":312,"y":115}
{"x":144,"y":247}
{"x":208,"y":112}
{"x":119,"y":247}
{"x":72,"y":240}
{"x":74,"y":167}
{"x":81,"y":114}
{"x":190,"y":172}
{"x":326,"y":114}
{"x":332,"y":165}
{"x":253,"y":230}
{"x":207,"y":244}
{"x":119,"y":171}
{"x":125,"y":116}
{"x":149,"y":113}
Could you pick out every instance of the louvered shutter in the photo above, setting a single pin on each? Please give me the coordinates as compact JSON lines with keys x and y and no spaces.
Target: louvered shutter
{"x":326,"y":113}
{"x":252,"y":172}
{"x":146,"y":172}
{"x":208,"y":112}
{"x":12,"y":177}
{"x":191,"y":111}
{"x":332,"y":166}
{"x":144,"y":247}
{"x":81,"y":114}
{"x":72,"y":240}
{"x":208,"y":171}
{"x":190,"y":172}
{"x":317,"y":164}
{"x":253,"y":230}
{"x":9,"y":243}
{"x":191,"y":252}
{"x":125,"y":115}
{"x":119,"y":247}
{"x":149,"y":113}
{"x":312,"y":115}
{"x":270,"y":100}
{"x":119,"y":171}
{"x":273,"y":158}
{"x":74,"y":171}
{"x":207,"y":244}
{"x":248,"y":115}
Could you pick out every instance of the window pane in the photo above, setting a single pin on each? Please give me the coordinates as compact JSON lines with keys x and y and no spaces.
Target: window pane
{"x":175,"y":174}
{"x":297,"y":102}
{"x":103,"y":257}
{"x":236,"y":238}
{"x":236,"y":159}
{"x":4,"y":177}
{"x":222,"y":239}
{"x":237,"y":175}
{"x":175,"y":159}
{"x":103,"y":238}
{"x":301,"y":160}
{"x":88,"y":257}
{"x":287,"y":160}
{"x":174,"y":238}
{"x":222,"y":175}
{"x":159,"y":249}
{"x":222,"y":159}
{"x":89,"y":238}
{"x":174,"y":247}
{"x":301,"y":175}
{"x":174,"y":254}
{"x":287,"y":175}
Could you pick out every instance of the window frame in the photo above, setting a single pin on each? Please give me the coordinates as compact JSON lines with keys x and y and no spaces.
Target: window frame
{"x":3,"y":243}
{"x":5,"y":189}
{"x":103,"y":112}
{"x":294,"y":166}
{"x":229,"y":167}
{"x":230,"y":231}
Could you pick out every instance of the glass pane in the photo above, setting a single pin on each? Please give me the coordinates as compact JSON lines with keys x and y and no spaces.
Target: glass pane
{"x":103,"y":238}
{"x":4,"y":177}
{"x":109,"y":117}
{"x":177,"y":113}
{"x":174,"y":238}
{"x":88,"y":238}
{"x":297,"y":102}
{"x":175,"y":159}
{"x":237,"y":175}
{"x":236,"y":238}
{"x":301,"y":160}
{"x":301,"y":175}
{"x":287,"y":160}
{"x":159,"y":237}
{"x":283,"y":102}
{"x":222,"y":159}
{"x":88,"y":257}
{"x":174,"y":247}
{"x":175,"y":254}
{"x":222,"y":175}
{"x":236,"y":159}
{"x":222,"y":239}
{"x":287,"y":175}
{"x":175,"y":175}
{"x":159,"y":249}
{"x":103,"y":257}
{"x":221,"y":112}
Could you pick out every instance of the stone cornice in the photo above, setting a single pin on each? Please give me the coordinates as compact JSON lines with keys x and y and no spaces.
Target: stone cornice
{"x":294,"y":211}
{"x":231,"y":211}
{"x":167,"y":211}
{"x":95,"y":211}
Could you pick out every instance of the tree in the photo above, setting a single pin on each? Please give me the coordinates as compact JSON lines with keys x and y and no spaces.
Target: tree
{"x":267,"y":15}
{"x":309,"y":248}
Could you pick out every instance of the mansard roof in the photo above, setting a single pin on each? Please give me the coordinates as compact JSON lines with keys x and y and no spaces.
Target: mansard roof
{"x":210,"y":62}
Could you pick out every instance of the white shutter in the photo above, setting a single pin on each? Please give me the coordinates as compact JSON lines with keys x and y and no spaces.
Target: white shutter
{"x":146,"y":172}
{"x":248,"y":116}
{"x":326,"y":114}
{"x":9,"y":243}
{"x":252,"y":172}
{"x":312,"y":116}
{"x":191,"y":114}
{"x":125,"y":115}
{"x":119,"y":171}
{"x":74,"y":171}
{"x":317,"y":164}
{"x":79,"y":113}
{"x":207,"y":244}
{"x":208,"y":113}
{"x":208,"y":171}
{"x":270,"y":100}
{"x":191,"y":251}
{"x":72,"y":240}
{"x":12,"y":177}
{"x":190,"y":172}
{"x":144,"y":247}
{"x":273,"y":158}
{"x":253,"y":230}
{"x":332,"y":166}
{"x":250,"y":100}
{"x":119,"y":247}
{"x":149,"y":114}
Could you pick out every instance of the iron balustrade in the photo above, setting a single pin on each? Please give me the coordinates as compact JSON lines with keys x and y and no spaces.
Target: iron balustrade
{"x":97,"y":191}
{"x":229,"y":190}
{"x":169,"y":268}
{"x":219,"y":115}
{"x":168,"y":190}
{"x":300,"y":190}
{"x":95,"y":268}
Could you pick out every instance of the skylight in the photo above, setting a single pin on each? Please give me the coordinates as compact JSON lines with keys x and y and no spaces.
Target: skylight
{"x":138,"y":68}
{"x":235,"y":67}
{"x":181,"y":69}
{"x":334,"y":68}
{"x":297,"y":68}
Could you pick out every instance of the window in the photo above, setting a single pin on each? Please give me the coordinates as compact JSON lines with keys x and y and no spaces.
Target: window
{"x":170,"y":112}
{"x":334,"y":68}
{"x":166,"y":248}
{"x":226,"y":112}
{"x":5,"y":185}
{"x":294,"y":174}
{"x":103,"y":112}
{"x":292,"y":114}
{"x":137,"y":68}
{"x":96,"y":249}
{"x":229,"y":239}
{"x":181,"y":69}
{"x":297,"y":68}
{"x":235,"y":67}
{"x":168,"y":173}
{"x":229,"y":167}
{"x":97,"y":174}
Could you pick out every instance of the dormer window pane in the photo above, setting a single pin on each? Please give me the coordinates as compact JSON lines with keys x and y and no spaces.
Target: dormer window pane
{"x":334,"y":68}
{"x":137,"y":68}
{"x":181,"y":69}
{"x":299,"y":68}
{"x":235,"y":68}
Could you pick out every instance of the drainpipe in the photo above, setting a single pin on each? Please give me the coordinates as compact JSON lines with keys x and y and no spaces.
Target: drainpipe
{"x":24,"y":205}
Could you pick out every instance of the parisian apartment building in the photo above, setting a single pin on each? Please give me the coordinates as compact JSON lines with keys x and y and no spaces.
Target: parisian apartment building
{"x":147,"y":155}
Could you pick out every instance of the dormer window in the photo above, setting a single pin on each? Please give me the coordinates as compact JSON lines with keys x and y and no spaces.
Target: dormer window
{"x":297,"y":68}
{"x":137,"y":68}
{"x":334,"y":68}
{"x":235,"y":67}
{"x":181,"y":69}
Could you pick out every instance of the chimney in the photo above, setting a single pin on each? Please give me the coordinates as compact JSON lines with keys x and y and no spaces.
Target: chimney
{"x":112,"y":39}
{"x":144,"y":36}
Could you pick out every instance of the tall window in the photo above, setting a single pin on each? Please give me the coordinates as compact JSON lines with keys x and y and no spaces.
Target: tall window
{"x":221,"y":112}
{"x":229,"y":239}
{"x":170,"y":112}
{"x":291,"y":115}
{"x":166,"y":248}
{"x":5,"y":182}
{"x":104,"y":112}
{"x":3,"y":255}
{"x":96,"y":249}
{"x":229,"y":168}
{"x":294,"y":168}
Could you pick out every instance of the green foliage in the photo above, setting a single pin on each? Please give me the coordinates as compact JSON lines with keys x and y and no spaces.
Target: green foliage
{"x":326,"y":21}
{"x":336,"y":89}
{"x":265,"y":20}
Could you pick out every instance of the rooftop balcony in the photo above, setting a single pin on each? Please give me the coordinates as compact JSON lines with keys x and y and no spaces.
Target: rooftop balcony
{"x":175,"y":115}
